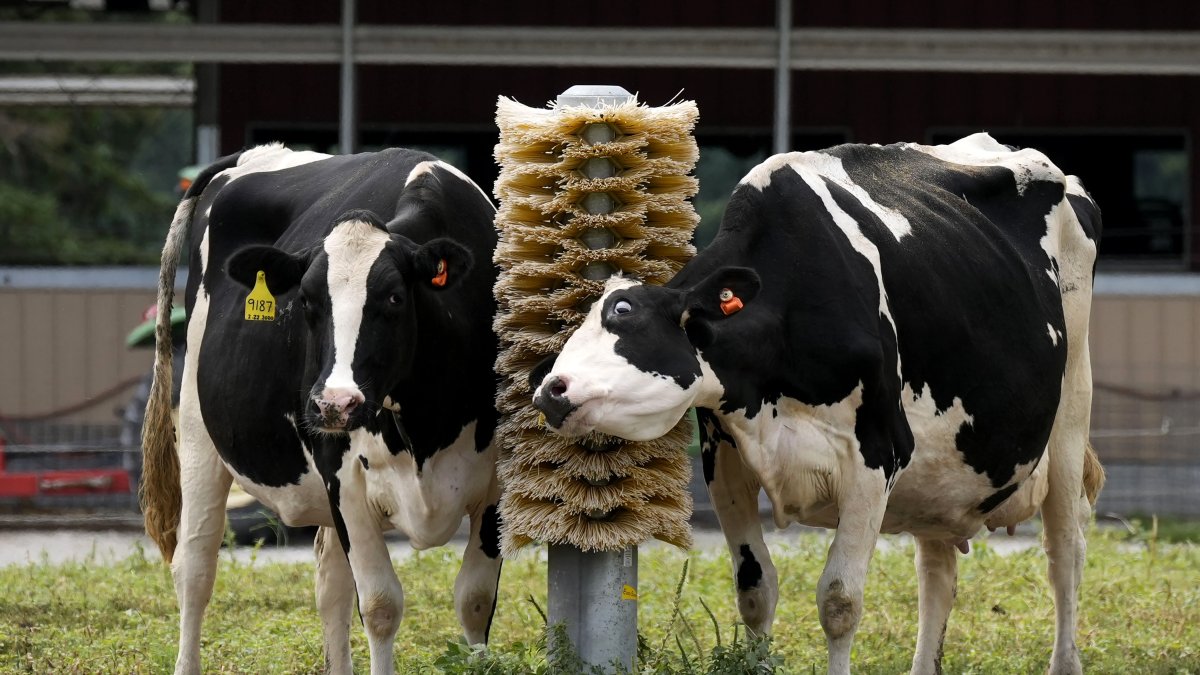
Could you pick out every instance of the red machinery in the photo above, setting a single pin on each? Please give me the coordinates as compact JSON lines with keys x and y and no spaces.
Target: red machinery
{"x":48,"y":483}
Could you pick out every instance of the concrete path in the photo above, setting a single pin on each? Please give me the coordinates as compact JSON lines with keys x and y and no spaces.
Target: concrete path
{"x":21,"y":547}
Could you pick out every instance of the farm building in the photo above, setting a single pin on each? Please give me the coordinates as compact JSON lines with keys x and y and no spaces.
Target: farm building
{"x":1110,"y":92}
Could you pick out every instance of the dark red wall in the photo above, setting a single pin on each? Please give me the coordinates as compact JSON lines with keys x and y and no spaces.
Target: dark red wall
{"x":868,"y":106}
{"x":646,"y":13}
{"x":1004,"y":14}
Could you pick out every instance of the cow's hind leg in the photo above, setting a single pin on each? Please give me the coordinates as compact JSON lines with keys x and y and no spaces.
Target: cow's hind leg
{"x":862,"y":501}
{"x":335,"y":600}
{"x":734,"y":494}
{"x":1074,"y":476}
{"x":1065,"y":511}
{"x":205,"y":484}
{"x":937,"y":579}
{"x":478,"y":579}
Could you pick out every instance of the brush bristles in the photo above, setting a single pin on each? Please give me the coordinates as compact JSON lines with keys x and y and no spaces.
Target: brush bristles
{"x":598,"y":493}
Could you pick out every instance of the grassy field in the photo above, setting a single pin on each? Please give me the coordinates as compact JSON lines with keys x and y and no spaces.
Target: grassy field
{"x":1140,"y":613}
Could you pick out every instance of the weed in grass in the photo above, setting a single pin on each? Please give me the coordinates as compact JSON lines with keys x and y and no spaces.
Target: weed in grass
{"x":749,"y":655}
{"x":1144,"y":526}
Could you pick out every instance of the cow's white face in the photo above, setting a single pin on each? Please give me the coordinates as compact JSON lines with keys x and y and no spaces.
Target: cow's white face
{"x":632,"y":369}
{"x":359,"y":292}
{"x":350,"y":253}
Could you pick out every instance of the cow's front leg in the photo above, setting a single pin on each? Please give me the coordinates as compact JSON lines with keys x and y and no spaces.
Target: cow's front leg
{"x":380,"y":596}
{"x":861,"y":504}
{"x":478,"y":579}
{"x":335,"y":600}
{"x":937,"y":578}
{"x":733,"y":490}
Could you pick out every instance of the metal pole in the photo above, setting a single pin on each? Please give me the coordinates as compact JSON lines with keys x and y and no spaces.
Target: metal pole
{"x":347,"y":124}
{"x":783,"y":77}
{"x":594,"y":594}
{"x":207,"y":105}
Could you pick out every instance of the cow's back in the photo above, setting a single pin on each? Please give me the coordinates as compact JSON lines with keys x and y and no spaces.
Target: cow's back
{"x":973,"y":288}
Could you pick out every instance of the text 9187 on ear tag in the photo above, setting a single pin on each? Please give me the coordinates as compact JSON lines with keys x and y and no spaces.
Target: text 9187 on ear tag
{"x":260,"y":304}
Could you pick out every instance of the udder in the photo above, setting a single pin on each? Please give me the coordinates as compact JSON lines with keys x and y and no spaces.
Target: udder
{"x":944,"y":498}
{"x":1025,"y":502}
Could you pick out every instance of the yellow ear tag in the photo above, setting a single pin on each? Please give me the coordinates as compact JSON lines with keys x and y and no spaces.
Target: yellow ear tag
{"x":260,"y":304}
{"x":629,"y":593}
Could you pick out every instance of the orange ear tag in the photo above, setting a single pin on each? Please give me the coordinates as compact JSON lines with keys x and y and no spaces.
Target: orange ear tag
{"x":730,"y":303}
{"x":439,"y":279}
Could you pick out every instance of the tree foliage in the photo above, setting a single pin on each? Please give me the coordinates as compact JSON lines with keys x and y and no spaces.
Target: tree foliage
{"x":88,"y":185}
{"x":83,"y":185}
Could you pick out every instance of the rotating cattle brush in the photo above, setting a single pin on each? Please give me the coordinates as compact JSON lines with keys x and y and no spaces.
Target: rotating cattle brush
{"x":586,"y":192}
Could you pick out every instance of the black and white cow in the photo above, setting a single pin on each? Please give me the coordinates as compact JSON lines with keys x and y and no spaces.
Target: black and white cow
{"x":884,"y":339}
{"x":366,"y":404}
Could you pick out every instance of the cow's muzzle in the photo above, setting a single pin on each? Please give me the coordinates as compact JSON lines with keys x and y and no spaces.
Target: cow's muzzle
{"x":552,"y":400}
{"x":334,"y":407}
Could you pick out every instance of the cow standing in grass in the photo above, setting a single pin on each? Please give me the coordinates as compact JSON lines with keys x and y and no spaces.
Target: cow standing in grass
{"x":366,"y":403}
{"x":884,"y":339}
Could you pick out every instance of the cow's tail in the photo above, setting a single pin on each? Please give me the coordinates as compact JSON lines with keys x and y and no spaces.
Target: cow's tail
{"x":1093,"y":474}
{"x":160,"y":493}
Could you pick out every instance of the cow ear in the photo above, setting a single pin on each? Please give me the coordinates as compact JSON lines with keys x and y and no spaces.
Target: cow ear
{"x":282,"y":270}
{"x":722,"y":294}
{"x":441,"y":263}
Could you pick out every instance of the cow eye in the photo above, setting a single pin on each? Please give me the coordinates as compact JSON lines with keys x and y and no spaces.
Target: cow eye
{"x":304,"y":301}
{"x":622,"y":307}
{"x":395,"y":299}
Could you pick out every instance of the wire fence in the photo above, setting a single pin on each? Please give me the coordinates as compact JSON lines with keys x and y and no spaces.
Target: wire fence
{"x":1149,"y":443}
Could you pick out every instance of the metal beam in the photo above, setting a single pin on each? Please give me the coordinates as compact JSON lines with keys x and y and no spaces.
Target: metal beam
{"x":976,"y":51}
{"x":119,"y":90}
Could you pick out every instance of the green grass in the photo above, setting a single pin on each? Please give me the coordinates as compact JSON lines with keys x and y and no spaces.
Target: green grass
{"x":1140,"y":613}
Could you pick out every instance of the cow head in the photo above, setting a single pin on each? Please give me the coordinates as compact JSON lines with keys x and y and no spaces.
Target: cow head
{"x":360,"y":290}
{"x":633,"y":367}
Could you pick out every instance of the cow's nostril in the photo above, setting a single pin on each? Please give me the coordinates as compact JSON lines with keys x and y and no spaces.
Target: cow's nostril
{"x":553,"y":402}
{"x":557,"y":387}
